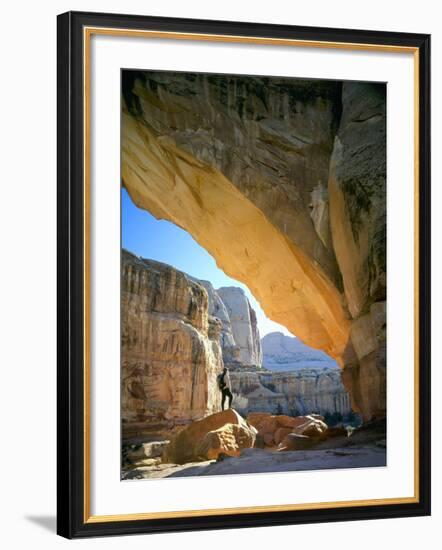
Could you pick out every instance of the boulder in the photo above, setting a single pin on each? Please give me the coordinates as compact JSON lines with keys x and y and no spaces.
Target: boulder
{"x":274,"y":428}
{"x":144,"y":451}
{"x":268,"y":425}
{"x":285,"y":421}
{"x":256,"y":418}
{"x":311,"y":427}
{"x":186,"y":446}
{"x":280,"y":434}
{"x":296,"y":442}
{"x":318,"y":417}
{"x":338,"y":431}
{"x":228,"y":440}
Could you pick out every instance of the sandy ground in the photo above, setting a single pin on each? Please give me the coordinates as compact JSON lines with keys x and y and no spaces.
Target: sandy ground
{"x":261,"y":461}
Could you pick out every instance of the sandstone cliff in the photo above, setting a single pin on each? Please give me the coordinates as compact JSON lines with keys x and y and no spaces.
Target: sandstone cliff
{"x":244,"y":327}
{"x":240,"y":338}
{"x":283,"y":182}
{"x":300,"y":392}
{"x":171,"y":352}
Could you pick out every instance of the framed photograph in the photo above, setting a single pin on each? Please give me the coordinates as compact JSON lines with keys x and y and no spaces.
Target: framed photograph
{"x":243,"y":274}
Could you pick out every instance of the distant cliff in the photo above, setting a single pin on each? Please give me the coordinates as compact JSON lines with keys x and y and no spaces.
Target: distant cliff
{"x":286,"y":353}
{"x":240,"y":338}
{"x":244,"y":326}
{"x":298,"y":392}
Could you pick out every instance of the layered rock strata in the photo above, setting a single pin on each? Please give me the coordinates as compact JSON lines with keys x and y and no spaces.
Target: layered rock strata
{"x":294,"y":393}
{"x":243,"y":326}
{"x":171,"y":352}
{"x":283,"y":182}
{"x":177,"y":334}
{"x":240,"y":338}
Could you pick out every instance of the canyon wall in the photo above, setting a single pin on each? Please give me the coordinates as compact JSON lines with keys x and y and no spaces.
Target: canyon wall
{"x":283,"y":182}
{"x":244,"y":327}
{"x":296,"y":393}
{"x":170,"y":347}
{"x":173,"y":348}
{"x":240,"y":339}
{"x":357,"y":197}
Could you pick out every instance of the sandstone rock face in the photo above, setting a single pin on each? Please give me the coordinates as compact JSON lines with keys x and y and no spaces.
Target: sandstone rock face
{"x":240,"y":339}
{"x":299,"y":392}
{"x":171,"y":352}
{"x":296,"y":442}
{"x":228,"y":440}
{"x":277,"y":430}
{"x":252,"y":216}
{"x":243,"y":326}
{"x":285,"y":353}
{"x":231,"y":350}
{"x":357,"y":189}
{"x":283,"y":182}
{"x":195,"y":443}
{"x":146,"y":451}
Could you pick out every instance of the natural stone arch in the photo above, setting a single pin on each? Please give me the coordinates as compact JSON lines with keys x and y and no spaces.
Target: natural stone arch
{"x":173,"y":185}
{"x":283,"y":182}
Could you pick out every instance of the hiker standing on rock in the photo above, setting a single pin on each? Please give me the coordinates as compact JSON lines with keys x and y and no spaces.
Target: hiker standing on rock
{"x":224,"y":386}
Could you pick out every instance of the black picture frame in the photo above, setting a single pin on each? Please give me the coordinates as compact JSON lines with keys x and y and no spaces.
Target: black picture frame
{"x":72,"y":520}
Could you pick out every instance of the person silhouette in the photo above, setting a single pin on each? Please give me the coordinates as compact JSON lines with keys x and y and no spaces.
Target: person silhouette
{"x":224,"y":386}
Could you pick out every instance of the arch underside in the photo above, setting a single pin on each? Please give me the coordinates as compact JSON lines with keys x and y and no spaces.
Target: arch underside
{"x":316,"y":286}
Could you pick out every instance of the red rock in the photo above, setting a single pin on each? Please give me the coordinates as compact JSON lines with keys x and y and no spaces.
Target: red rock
{"x":228,"y":440}
{"x":185,"y":446}
{"x":280,"y":434}
{"x":296,"y":442}
{"x":256,"y":418}
{"x":268,"y":425}
{"x":311,"y":427}
{"x":268,"y":439}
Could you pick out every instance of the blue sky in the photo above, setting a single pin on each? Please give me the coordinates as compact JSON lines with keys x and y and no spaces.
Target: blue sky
{"x":163,"y":241}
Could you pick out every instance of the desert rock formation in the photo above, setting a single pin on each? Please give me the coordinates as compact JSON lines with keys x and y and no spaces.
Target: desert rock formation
{"x":295,"y":393}
{"x":171,"y":352}
{"x":178,"y":334}
{"x":286,"y":353}
{"x":243,"y":326}
{"x":283,"y":182}
{"x":240,"y":339}
{"x":224,"y":432}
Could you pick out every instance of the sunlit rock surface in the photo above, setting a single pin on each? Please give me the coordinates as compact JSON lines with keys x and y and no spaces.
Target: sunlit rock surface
{"x":177,"y":334}
{"x":283,"y":182}
{"x":171,"y":352}
{"x":295,"y":393}
{"x":223,"y":432}
{"x":243,"y":325}
{"x":282,"y":353}
{"x":230,"y":348}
